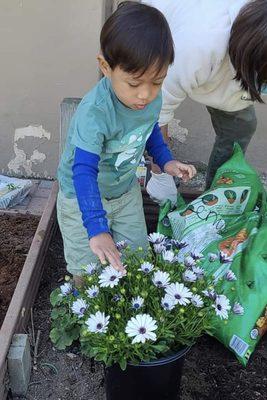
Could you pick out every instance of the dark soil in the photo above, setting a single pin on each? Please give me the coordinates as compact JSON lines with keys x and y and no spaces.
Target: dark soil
{"x":211,"y":372}
{"x":15,"y":240}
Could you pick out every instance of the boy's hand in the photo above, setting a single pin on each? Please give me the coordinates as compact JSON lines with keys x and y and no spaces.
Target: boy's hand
{"x":183,"y":171}
{"x":105,"y":249}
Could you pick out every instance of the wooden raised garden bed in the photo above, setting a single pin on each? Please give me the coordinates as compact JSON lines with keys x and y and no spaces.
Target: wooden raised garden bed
{"x":38,"y":235}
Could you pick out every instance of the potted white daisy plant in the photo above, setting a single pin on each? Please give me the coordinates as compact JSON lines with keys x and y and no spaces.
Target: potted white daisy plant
{"x":147,"y":318}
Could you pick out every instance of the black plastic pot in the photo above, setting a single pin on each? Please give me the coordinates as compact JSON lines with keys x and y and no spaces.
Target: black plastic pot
{"x":155,"y":380}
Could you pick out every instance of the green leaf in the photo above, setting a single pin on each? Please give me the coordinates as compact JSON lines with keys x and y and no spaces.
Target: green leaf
{"x":101,"y":356}
{"x":161,"y":348}
{"x":109,"y":361}
{"x":93,"y":351}
{"x":64,"y":338}
{"x":54,"y":335}
{"x":55,"y":297}
{"x":123,"y":363}
{"x":58,"y":312}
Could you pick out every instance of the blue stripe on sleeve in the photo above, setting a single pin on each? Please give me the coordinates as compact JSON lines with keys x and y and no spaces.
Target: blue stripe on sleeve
{"x":85,"y":171}
{"x":157,"y":148}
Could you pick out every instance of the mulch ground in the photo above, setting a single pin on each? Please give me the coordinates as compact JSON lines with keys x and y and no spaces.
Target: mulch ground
{"x":15,"y":240}
{"x":210,"y":373}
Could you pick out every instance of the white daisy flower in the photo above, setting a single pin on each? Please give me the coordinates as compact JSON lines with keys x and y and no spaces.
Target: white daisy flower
{"x":178,"y":245}
{"x":92,"y":291}
{"x":137,"y":302}
{"x":161,"y":279}
{"x":210,"y":293}
{"x":79,"y":307}
{"x":189,"y":262}
{"x":180,"y":293}
{"x":198,"y":271}
{"x":66,"y":289}
{"x":156,"y":238}
{"x":159,"y":248}
{"x":168,"y":302}
{"x":141,"y":328}
{"x":230,"y":276}
{"x":146,"y":267}
{"x":98,"y":322}
{"x":110,"y":277}
{"x":196,"y":255}
{"x":224,"y":258}
{"x":91,"y":268}
{"x":121,"y":245}
{"x":189,"y":276}
{"x":168,"y":244}
{"x":238,"y":309}
{"x":222,"y":306}
{"x":168,"y":255}
{"x":197,"y":301}
{"x":212,"y":257}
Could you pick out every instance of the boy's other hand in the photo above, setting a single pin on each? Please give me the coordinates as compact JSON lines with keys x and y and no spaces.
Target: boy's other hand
{"x":183,"y":171}
{"x":105,"y":249}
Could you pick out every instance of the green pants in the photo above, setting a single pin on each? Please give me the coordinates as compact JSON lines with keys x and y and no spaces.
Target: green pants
{"x":230,"y":127}
{"x":125,"y":218}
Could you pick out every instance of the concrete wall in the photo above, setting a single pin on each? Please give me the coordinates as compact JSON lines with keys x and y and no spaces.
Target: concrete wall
{"x":48,"y":52}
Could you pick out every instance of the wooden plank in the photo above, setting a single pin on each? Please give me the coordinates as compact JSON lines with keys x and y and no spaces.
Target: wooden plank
{"x":17,"y":315}
{"x":3,"y":381}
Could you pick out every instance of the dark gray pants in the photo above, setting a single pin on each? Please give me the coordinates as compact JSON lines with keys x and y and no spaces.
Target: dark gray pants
{"x":230,"y":127}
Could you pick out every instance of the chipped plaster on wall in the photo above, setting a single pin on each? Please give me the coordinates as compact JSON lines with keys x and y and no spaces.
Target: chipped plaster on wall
{"x":35,"y":131}
{"x":21,"y":161}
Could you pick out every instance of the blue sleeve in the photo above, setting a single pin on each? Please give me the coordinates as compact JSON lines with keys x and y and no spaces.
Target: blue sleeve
{"x":85,"y":171}
{"x":157,"y":148}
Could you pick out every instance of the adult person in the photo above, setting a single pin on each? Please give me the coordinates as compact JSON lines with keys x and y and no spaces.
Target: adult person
{"x":221,"y":62}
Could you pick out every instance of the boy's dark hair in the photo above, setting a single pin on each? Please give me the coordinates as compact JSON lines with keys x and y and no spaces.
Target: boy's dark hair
{"x":135,"y":37}
{"x":248,"y":47}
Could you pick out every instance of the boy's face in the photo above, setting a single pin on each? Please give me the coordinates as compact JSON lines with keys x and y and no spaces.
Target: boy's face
{"x":134,"y":91}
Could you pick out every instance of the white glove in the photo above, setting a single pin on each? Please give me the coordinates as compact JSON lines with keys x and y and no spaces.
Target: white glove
{"x":161,"y":187}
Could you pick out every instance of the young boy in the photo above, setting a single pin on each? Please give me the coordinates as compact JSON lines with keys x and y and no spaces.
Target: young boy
{"x":113,"y":125}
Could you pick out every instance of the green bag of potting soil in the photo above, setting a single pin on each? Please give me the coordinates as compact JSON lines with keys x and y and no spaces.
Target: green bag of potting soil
{"x":226,"y":225}
{"x":239,"y":261}
{"x":164,"y":225}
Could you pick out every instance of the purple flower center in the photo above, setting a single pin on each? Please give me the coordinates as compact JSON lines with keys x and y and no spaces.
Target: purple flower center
{"x":82,"y":310}
{"x":99,"y":326}
{"x":177,"y":296}
{"x":142,"y":330}
{"x":219,"y":307}
{"x":159,"y":283}
{"x":112,"y":278}
{"x":136,"y":305}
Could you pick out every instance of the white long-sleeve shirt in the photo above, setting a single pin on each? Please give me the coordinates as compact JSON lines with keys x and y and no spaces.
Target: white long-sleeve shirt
{"x":202,"y":69}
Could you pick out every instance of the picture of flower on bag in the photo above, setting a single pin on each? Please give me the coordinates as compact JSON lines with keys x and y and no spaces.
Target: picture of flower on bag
{"x":210,"y":199}
{"x":229,"y":245}
{"x":230,"y":196}
{"x":225,"y":181}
